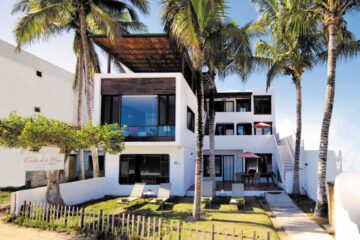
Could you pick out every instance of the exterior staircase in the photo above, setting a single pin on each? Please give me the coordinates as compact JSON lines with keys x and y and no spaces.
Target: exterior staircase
{"x":287,"y":158}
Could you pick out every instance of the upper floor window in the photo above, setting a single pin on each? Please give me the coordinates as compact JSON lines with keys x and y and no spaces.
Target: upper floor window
{"x":263,"y":131}
{"x":190,"y":117}
{"x":148,"y":117}
{"x":262,"y":104}
{"x":224,"y":106}
{"x":224,"y":129}
{"x":244,"y":129}
{"x":243,"y":105}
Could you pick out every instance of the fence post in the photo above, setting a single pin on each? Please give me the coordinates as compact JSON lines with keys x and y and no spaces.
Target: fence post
{"x":212,"y":232}
{"x":159,"y":229}
{"x":267,"y":236}
{"x":65,"y":215}
{"x":254,"y":235}
{"x":28,"y":210}
{"x":100,"y":220}
{"x":82,"y":216}
{"x":178,"y":230}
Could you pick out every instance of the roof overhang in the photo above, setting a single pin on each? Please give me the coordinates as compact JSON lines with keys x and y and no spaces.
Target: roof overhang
{"x":144,"y":52}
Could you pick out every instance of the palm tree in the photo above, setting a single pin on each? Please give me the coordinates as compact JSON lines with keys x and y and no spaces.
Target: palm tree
{"x":43,"y":19}
{"x":189,"y":23}
{"x":291,"y":53}
{"x":227,"y":52}
{"x":330,"y":13}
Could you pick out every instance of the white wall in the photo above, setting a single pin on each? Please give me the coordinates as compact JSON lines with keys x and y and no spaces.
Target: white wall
{"x":21,"y":90}
{"x":72,"y":193}
{"x":309,"y":171}
{"x":347,"y":206}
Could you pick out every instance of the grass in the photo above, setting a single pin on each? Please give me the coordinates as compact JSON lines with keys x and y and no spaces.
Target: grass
{"x":5,"y":197}
{"x":254,"y":218}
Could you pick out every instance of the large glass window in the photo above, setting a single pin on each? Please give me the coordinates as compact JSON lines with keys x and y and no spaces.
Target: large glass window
{"x":243,"y":105}
{"x":218,"y":166}
{"x":244,"y":129}
{"x":262,"y":104}
{"x":224,"y":106}
{"x":148,"y":168}
{"x":190,"y":120}
{"x":224,"y":129}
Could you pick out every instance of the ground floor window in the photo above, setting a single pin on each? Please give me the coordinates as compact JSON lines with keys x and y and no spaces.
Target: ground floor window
{"x":145,"y":168}
{"x":261,"y":165}
{"x":218,"y":165}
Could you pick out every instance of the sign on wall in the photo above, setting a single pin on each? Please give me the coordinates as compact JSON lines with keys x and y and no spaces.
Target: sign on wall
{"x":46,"y":159}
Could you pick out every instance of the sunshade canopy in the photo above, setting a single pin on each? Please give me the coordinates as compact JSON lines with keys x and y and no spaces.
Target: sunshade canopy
{"x":262,"y":125}
{"x":249,"y":155}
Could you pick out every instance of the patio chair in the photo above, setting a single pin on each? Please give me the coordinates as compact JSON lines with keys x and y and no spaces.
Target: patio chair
{"x":163,"y":195}
{"x":257,"y":177}
{"x":135,"y":194}
{"x":207,"y":193}
{"x":239,"y":177}
{"x":238,"y":195}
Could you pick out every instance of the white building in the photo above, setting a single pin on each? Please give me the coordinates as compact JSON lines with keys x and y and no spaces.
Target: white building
{"x":30,"y":85}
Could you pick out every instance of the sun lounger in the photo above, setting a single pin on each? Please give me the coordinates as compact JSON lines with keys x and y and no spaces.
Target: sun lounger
{"x":238,"y":195}
{"x":135,"y":194}
{"x":207,"y":192}
{"x":163,"y":194}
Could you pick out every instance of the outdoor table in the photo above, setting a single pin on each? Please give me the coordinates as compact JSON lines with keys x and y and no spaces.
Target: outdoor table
{"x":248,"y":176}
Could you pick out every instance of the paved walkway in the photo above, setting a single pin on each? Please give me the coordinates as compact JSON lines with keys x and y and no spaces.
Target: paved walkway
{"x":13,"y":232}
{"x":297,"y":224}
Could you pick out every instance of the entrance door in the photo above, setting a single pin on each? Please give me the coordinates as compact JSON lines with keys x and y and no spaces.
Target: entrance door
{"x":228,"y":161}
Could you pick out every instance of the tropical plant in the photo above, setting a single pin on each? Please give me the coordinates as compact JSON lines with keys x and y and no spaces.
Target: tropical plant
{"x":190,"y":22}
{"x":291,"y":53}
{"x":227,"y":52}
{"x":38,"y":132}
{"x":46,"y":18}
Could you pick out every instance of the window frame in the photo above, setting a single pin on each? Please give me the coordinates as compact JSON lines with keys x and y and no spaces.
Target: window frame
{"x":192,"y":119}
{"x":242,"y":99}
{"x":217,"y":157}
{"x":251,"y":129}
{"x":262,"y":108}
{"x":224,"y":124}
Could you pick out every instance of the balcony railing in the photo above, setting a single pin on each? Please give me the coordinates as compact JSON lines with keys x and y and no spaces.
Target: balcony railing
{"x":149,"y":133}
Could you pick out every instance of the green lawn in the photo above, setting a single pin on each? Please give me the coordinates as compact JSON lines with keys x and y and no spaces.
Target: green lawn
{"x":254,"y":218}
{"x":5,"y":197}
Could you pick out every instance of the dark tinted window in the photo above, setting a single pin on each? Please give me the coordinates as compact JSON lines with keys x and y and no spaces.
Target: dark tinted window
{"x":218,"y":166}
{"x":190,"y":120}
{"x":224,"y":129}
{"x":243,"y":105}
{"x":110,"y":109}
{"x":147,"y":168}
{"x":224,"y":106}
{"x":262,"y":104}
{"x":244,"y":129}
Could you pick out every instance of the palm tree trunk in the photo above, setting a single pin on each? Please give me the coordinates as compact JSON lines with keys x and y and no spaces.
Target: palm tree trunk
{"x":53,"y":194}
{"x":212,"y":141}
{"x":89,"y":82}
{"x":199,"y":142}
{"x":296,"y":182}
{"x":79,"y":107}
{"x":321,"y":203}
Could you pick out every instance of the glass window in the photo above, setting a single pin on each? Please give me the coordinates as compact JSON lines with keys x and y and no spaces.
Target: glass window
{"x":139,"y":111}
{"x":110,"y":109}
{"x":148,"y":168}
{"x":263,"y":131}
{"x":190,"y":120}
{"x":243,"y":105}
{"x":224,"y":106}
{"x":262,"y":104}
{"x":90,"y":166}
{"x":218,"y":166}
{"x":244,"y":129}
{"x":224,"y":129}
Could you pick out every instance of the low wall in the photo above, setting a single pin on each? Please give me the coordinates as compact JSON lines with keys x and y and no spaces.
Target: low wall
{"x":347,"y":206}
{"x":72,"y":193}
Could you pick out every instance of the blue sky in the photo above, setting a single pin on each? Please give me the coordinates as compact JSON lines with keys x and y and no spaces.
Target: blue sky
{"x":345,"y":127}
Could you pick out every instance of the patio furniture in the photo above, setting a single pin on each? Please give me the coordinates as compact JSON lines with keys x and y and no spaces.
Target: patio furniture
{"x":257,"y":177}
{"x":239,"y":177}
{"x":207,"y":193}
{"x":238,"y":195}
{"x":135,"y":194}
{"x":163,"y":195}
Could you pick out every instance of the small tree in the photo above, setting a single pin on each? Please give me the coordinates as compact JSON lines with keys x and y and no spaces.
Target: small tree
{"x":35,"y":133}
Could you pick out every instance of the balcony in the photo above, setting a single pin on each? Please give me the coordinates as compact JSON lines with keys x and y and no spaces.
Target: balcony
{"x":149,"y":133}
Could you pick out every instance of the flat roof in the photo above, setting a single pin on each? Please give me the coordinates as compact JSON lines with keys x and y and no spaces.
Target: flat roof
{"x":145,"y":52}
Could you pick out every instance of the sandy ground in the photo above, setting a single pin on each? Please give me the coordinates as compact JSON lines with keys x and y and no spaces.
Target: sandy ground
{"x":14,"y":232}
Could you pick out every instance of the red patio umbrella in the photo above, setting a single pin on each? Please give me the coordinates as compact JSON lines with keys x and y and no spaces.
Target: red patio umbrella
{"x":249,"y":155}
{"x":262,"y":125}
